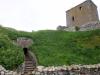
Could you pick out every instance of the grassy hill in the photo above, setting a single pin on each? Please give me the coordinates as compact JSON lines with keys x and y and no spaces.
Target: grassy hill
{"x":51,"y":47}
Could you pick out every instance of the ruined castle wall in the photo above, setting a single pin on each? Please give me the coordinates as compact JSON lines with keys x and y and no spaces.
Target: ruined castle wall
{"x":81,"y":14}
{"x":85,"y":27}
{"x":90,"y":26}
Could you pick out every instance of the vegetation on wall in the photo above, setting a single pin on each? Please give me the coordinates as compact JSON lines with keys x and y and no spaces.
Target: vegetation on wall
{"x":51,"y":47}
{"x":77,"y":28}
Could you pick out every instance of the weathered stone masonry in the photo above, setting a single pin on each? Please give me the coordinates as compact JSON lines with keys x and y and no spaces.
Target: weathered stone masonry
{"x":81,"y":14}
{"x":60,"y":70}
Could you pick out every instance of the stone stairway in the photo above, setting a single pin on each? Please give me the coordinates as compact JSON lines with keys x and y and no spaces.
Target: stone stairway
{"x":28,"y":65}
{"x":29,"y":62}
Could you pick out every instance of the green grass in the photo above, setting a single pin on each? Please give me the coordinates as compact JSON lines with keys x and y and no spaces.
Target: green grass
{"x":51,"y":47}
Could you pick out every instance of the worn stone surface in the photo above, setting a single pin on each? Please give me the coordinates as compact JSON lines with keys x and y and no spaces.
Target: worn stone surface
{"x":60,"y":70}
{"x":69,"y":70}
{"x":90,"y":26}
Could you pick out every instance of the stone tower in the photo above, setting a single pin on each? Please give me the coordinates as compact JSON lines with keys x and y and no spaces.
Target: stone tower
{"x":81,"y":14}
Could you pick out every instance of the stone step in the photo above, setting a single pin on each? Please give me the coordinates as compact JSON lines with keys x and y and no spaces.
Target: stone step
{"x":28,"y":66}
{"x":28,"y":62}
{"x":28,"y":70}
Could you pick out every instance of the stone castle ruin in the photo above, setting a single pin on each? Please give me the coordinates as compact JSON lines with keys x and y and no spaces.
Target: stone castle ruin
{"x":82,"y":17}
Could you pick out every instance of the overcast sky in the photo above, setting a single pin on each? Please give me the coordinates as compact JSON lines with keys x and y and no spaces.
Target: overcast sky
{"x":31,"y":15}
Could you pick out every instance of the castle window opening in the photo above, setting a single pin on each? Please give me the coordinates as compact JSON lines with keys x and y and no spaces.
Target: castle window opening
{"x":80,"y":8}
{"x":73,"y":19}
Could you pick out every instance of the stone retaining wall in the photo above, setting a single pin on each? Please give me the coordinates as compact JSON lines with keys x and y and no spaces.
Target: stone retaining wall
{"x":60,"y":70}
{"x":69,"y":70}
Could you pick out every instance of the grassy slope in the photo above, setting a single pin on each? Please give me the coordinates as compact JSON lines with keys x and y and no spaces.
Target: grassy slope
{"x":51,"y":47}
